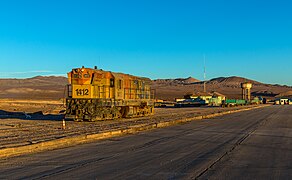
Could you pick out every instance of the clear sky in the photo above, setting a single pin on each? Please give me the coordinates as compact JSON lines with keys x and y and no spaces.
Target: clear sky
{"x":152,"y":38}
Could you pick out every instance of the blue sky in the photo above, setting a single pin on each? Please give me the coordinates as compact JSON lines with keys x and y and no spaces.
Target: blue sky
{"x":152,"y":38}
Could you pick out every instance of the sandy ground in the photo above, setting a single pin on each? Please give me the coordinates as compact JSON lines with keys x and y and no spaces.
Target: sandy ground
{"x":254,"y":144}
{"x":28,"y":122}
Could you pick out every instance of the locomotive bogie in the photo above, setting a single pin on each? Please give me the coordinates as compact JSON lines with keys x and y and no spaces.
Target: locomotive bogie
{"x":105,"y":109}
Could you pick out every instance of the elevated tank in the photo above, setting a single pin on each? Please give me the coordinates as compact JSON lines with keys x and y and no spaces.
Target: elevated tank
{"x":246,"y":90}
{"x":246,"y":85}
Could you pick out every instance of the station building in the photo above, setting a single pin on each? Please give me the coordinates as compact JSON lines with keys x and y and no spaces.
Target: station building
{"x":283,"y":101}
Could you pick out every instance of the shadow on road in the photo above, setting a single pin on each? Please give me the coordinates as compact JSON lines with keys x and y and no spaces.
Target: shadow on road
{"x":31,"y":116}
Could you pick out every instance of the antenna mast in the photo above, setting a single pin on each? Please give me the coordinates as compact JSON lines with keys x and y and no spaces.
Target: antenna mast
{"x":204,"y":73}
{"x":99,"y":61}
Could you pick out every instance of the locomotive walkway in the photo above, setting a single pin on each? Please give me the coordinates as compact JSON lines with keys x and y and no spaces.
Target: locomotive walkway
{"x":21,"y":135}
{"x":253,"y":144}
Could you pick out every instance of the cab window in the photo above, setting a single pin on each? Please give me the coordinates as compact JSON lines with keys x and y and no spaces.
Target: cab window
{"x":120,"y":84}
{"x":112,"y":83}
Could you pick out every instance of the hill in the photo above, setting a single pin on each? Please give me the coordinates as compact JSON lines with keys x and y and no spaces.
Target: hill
{"x":229,"y":86}
{"x":39,"y":87}
{"x":53,"y":87}
{"x":188,"y":80}
{"x":285,"y":94}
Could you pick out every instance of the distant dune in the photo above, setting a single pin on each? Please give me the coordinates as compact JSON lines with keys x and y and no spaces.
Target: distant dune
{"x":53,"y":88}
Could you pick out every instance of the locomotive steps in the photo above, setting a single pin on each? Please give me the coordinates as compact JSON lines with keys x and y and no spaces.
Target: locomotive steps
{"x":81,"y":139}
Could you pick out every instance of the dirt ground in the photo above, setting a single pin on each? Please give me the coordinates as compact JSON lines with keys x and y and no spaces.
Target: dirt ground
{"x":28,"y":122}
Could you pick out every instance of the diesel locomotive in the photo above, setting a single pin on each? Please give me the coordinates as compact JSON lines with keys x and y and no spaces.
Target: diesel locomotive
{"x":94,"y":94}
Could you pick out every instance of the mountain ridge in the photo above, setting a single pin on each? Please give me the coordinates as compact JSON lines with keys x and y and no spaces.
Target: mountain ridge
{"x":229,"y":86}
{"x":53,"y":87}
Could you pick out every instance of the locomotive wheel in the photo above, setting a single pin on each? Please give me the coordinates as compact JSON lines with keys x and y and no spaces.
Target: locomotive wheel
{"x":91,"y":110}
{"x":98,"y":115}
{"x":125,"y":111}
{"x":117,"y":113}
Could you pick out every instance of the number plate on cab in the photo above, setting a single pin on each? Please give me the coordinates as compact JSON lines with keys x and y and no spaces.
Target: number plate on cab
{"x":81,"y":91}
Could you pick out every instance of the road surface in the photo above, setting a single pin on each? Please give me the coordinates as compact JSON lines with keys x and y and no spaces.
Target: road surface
{"x":256,"y":144}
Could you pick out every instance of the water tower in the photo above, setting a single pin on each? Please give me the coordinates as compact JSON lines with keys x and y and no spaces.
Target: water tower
{"x":246,"y":90}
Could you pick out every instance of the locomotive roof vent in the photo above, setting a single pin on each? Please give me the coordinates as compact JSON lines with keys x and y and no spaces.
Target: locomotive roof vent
{"x":95,"y":67}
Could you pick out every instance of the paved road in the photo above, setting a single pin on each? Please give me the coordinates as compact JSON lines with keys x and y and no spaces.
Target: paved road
{"x":256,"y":144}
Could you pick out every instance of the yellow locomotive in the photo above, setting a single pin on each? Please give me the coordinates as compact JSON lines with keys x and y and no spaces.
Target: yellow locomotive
{"x":94,"y":94}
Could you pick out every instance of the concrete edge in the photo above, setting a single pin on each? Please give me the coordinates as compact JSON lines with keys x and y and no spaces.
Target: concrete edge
{"x":82,"y":139}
